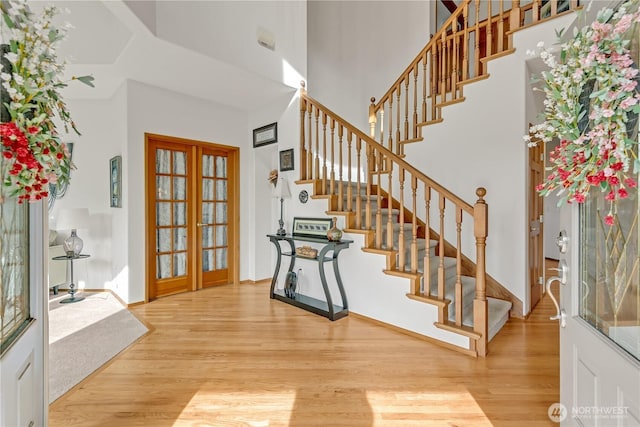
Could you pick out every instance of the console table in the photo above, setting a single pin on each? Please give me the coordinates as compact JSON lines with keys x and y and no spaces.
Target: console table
{"x":323,"y":308}
{"x":72,"y":286}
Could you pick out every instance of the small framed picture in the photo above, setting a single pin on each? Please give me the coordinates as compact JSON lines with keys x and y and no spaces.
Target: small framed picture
{"x":311,"y":227}
{"x":115,"y":182}
{"x":286,"y":160}
{"x":265,"y":135}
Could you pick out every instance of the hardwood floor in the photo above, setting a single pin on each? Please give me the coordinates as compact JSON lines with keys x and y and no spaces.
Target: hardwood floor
{"x":230,"y":356}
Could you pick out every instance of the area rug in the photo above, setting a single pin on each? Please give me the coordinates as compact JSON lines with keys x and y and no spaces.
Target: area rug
{"x":85,"y":335}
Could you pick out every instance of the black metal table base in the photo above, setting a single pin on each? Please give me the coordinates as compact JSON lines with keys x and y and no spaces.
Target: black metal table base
{"x":71,"y":299}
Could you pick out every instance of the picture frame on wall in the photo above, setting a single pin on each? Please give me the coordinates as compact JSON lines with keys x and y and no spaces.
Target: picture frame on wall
{"x":265,"y":135}
{"x":115,"y":182}
{"x":286,"y":160}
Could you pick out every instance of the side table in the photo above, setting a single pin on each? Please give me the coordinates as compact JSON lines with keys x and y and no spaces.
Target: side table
{"x":72,"y":286}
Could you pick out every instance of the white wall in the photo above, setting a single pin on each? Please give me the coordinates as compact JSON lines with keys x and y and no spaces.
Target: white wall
{"x":358,"y":49}
{"x":227,"y":30}
{"x":102,"y":124}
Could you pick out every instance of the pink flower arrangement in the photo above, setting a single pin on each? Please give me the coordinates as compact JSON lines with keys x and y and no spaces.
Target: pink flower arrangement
{"x":592,"y":105}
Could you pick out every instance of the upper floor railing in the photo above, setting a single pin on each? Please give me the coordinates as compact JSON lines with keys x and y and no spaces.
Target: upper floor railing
{"x":477,"y":31}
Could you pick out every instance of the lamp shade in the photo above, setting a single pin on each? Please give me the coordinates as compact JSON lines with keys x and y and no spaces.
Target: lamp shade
{"x":73,"y":219}
{"x":282,"y":189}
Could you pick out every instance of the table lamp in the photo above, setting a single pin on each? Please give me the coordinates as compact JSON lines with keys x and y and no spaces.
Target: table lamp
{"x":281,"y":192}
{"x":73,"y":219}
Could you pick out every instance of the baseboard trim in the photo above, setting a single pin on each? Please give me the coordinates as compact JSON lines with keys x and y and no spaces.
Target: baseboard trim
{"x":255,"y":282}
{"x":416,"y":335}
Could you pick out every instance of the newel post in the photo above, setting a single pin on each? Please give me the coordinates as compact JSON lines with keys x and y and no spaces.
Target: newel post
{"x":303,"y":149}
{"x":372,"y":119}
{"x":480,"y":308}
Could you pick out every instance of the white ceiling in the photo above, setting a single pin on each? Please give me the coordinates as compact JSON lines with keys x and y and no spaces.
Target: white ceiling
{"x":111,"y":43}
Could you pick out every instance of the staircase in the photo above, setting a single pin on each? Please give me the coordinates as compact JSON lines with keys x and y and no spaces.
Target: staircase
{"x":426,"y":234}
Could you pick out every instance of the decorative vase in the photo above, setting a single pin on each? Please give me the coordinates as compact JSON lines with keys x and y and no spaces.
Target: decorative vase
{"x":334,"y":234}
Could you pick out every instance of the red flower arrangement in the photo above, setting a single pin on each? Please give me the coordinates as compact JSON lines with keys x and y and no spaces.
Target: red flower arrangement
{"x":33,"y":156}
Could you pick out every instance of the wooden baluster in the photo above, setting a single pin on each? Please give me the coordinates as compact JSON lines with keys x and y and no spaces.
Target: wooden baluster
{"x":535,"y":10}
{"x":414,"y":225}
{"x":465,"y":43}
{"x":514,"y":16}
{"x":443,"y":71}
{"x":372,"y":119}
{"x":349,"y":167}
{"x":455,"y":62}
{"x":390,"y":236}
{"x":554,"y":7}
{"x":370,"y":168}
{"x":390,"y":143}
{"x":402,"y":253}
{"x":574,"y":5}
{"x":309,"y":159}
{"x":424,"y":85}
{"x":379,"y":161}
{"x":303,"y":147}
{"x":478,"y":64}
{"x":427,"y":236}
{"x":316,"y":174}
{"x":480,"y":311}
{"x":489,"y":30}
{"x":501,"y":28}
{"x":332,"y":181}
{"x":434,"y":82}
{"x":382,"y":124}
{"x":358,"y":184}
{"x":325,"y":188}
{"x":441,"y":277}
{"x":406,"y":108}
{"x":415,"y":101}
{"x":459,"y":267}
{"x":396,"y":149}
{"x":340,"y":169}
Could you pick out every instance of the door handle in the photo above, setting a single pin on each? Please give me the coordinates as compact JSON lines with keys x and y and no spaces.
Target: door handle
{"x":560,"y":313}
{"x":563,"y":269}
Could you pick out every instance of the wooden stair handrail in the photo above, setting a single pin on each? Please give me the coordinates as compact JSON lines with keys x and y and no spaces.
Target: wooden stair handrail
{"x":324,"y":133}
{"x":407,"y":166}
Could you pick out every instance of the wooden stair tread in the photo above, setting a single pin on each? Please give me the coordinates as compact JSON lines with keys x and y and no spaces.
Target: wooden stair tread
{"x":431,"y":122}
{"x":450,"y":102}
{"x":429,"y":300}
{"x":467,"y":331}
{"x":411,"y":140}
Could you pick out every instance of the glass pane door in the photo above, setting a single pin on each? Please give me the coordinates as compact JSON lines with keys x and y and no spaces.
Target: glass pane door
{"x":609,"y":269}
{"x":171,"y":220}
{"x":214,"y":222}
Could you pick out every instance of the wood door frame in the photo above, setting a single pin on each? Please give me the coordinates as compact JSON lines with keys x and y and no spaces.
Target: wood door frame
{"x":536,"y":161}
{"x":233,"y":206}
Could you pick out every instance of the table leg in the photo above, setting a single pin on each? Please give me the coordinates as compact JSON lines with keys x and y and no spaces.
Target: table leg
{"x":72,"y":288}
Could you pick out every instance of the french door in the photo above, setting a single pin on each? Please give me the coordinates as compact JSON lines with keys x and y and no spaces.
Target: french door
{"x":192,"y":199}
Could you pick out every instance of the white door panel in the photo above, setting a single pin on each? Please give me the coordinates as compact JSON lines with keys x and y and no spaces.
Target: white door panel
{"x":599,"y":380}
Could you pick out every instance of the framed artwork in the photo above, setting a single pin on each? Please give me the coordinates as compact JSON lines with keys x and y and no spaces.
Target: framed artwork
{"x":286,"y":160}
{"x":115,"y":182}
{"x":265,"y":135}
{"x":311,"y":227}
